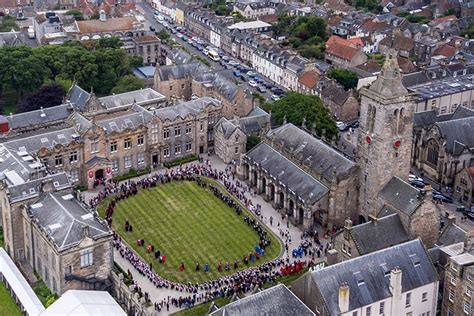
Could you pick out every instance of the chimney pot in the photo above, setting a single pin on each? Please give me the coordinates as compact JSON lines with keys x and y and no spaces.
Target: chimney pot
{"x":344,"y":292}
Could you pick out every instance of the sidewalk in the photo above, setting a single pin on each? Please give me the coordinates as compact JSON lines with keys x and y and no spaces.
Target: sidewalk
{"x":267,"y":211}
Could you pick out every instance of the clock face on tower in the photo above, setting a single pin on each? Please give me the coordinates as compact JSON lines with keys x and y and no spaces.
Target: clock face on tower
{"x":397,"y":143}
{"x":368,"y":139}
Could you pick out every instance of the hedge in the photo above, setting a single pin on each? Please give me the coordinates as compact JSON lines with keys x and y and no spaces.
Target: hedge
{"x":132,"y":173}
{"x":180,"y":161}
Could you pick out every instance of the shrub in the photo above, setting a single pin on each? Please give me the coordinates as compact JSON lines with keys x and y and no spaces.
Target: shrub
{"x":180,"y":161}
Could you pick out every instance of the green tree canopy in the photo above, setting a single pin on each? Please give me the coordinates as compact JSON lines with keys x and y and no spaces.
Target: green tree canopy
{"x":252,"y":141}
{"x":296,"y":107}
{"x":348,"y":79}
{"x":127,"y":83}
{"x":76,"y":14}
{"x":163,"y":35}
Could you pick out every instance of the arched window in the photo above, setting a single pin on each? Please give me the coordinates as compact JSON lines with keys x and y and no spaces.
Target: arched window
{"x":401,"y":126}
{"x":432,"y":152}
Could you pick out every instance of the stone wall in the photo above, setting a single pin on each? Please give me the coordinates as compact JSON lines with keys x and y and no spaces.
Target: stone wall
{"x":127,"y":298}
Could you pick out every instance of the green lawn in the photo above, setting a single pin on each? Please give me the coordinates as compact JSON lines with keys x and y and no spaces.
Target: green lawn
{"x":187,"y":223}
{"x":7,"y":304}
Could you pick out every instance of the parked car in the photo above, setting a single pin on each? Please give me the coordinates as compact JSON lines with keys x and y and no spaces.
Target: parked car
{"x":341,"y":126}
{"x":242,"y":77}
{"x":461,"y":209}
{"x":251,"y":73}
{"x":469,"y":214}
{"x":252,"y":83}
{"x":417,"y":184}
{"x":237,"y":73}
{"x":233,"y":62}
{"x":275,"y":97}
{"x":152,"y":28}
{"x":442,"y":198}
{"x":412,"y":177}
{"x":261,"y":89}
{"x":267,"y":85}
{"x":278,"y":91}
{"x":354,"y":124}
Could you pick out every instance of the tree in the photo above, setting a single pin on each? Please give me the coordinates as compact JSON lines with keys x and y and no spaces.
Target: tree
{"x":252,"y":141}
{"x":95,"y":16}
{"x":76,"y":14}
{"x":163,"y":35}
{"x":47,"y":96}
{"x":348,"y":79}
{"x":470,"y":31}
{"x":296,"y":107}
{"x":136,"y":61}
{"x":128,"y":83}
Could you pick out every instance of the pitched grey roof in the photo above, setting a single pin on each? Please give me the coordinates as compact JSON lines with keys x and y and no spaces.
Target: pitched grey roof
{"x":451,"y":234}
{"x":38,"y":117}
{"x":277,"y":300}
{"x":185,"y":109}
{"x":401,"y":195}
{"x":63,"y":217}
{"x":31,"y":188}
{"x":78,"y":97}
{"x":119,"y":124}
{"x":180,"y":71}
{"x":227,"y":127}
{"x":424,"y":119}
{"x":322,"y":158}
{"x":462,"y":112}
{"x":140,"y":97}
{"x":178,"y":56}
{"x":12,"y":39}
{"x":380,"y":234}
{"x":457,"y":133}
{"x":369,"y":269}
{"x":286,"y":172}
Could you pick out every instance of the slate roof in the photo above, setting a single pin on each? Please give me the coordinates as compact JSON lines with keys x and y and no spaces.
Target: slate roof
{"x":180,"y":71}
{"x":380,"y":234}
{"x":78,"y":97}
{"x":457,"y":133}
{"x":178,"y":56}
{"x":12,"y":38}
{"x":286,"y":172}
{"x":39,"y":117}
{"x":185,"y":109}
{"x":30,"y":189}
{"x":62,"y":217}
{"x":450,"y":235}
{"x":277,"y":300}
{"x":425,"y":118}
{"x":119,"y":124}
{"x":335,"y":93}
{"x":401,"y":195}
{"x":370,"y":269}
{"x":140,"y":97}
{"x":322,"y":158}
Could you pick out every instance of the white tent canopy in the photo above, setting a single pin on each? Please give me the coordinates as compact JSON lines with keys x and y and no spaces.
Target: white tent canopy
{"x":85,"y":303}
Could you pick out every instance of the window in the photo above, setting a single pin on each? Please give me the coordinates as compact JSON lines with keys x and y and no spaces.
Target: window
{"x":382,"y":307}
{"x":74,"y":175}
{"x":73,"y":156}
{"x":189,"y":147}
{"x":368,"y":310}
{"x":58,"y":161}
{"x":166,"y":152}
{"x":424,"y":297}
{"x":154,"y":133}
{"x":94,"y":147}
{"x":468,"y":291}
{"x":408,"y":300}
{"x":354,"y":313}
{"x":453,"y":280}
{"x":211,"y":119}
{"x":467,"y":307}
{"x":87,"y":258}
{"x":115,"y":165}
{"x":201,"y":126}
{"x":127,"y":160}
{"x":177,"y":149}
{"x":411,"y":314}
{"x":177,"y":131}
{"x":127,"y":143}
{"x":166,"y":133}
{"x":188,"y":128}
{"x":236,"y":150}
{"x":141,"y":140}
{"x":67,"y":270}
{"x":432,"y":153}
{"x":140,"y":158}
{"x":113,"y":146}
{"x":451,"y":295}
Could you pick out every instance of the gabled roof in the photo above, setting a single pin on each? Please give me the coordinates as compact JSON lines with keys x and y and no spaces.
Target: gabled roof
{"x":445,"y":50}
{"x":379,"y":234}
{"x":368,"y":276}
{"x":63,"y":218}
{"x":182,"y":110}
{"x":142,"y":96}
{"x":110,"y":25}
{"x":42,"y":116}
{"x":342,"y":51}
{"x":309,"y":79}
{"x":277,"y":300}
{"x":322,"y":158}
{"x":285,"y":171}
{"x":401,"y":195}
{"x":457,"y":133}
{"x":451,"y":234}
{"x":78,"y":97}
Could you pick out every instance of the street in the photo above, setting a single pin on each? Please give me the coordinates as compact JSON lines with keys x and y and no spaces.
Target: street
{"x":148,"y":13}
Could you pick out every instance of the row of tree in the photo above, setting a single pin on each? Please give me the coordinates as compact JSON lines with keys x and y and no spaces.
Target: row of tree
{"x":95,"y":64}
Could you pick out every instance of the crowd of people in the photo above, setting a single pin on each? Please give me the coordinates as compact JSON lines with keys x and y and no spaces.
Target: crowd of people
{"x":238,"y":282}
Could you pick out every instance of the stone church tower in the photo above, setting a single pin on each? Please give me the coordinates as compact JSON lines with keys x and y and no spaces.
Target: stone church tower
{"x":385,"y":134}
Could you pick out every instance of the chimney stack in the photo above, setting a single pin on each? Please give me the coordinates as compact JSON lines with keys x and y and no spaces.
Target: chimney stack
{"x":396,"y":288}
{"x":373,"y":219}
{"x":85,"y":231}
{"x":344,"y":298}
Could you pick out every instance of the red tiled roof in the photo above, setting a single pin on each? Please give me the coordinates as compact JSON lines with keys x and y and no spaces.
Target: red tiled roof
{"x":334,"y":20}
{"x":444,"y":19}
{"x":309,"y":79}
{"x":353,"y":42}
{"x":371,"y":26}
{"x":7,"y":4}
{"x":445,"y":50}
{"x":341,"y":51}
{"x":268,"y":18}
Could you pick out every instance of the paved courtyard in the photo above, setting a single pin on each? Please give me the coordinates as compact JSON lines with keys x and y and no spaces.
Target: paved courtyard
{"x":267,"y":211}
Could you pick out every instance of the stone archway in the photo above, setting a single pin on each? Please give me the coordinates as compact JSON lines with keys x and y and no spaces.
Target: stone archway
{"x":271,"y":192}
{"x":264,"y":185}
{"x":291,"y":207}
{"x":362,"y":219}
{"x":99,"y":174}
{"x":281,"y":200}
{"x":246,"y":171}
{"x":253,"y":179}
{"x":301,"y":216}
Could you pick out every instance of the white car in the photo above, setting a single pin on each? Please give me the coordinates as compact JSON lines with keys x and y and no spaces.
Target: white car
{"x":274,"y":97}
{"x":253,"y":83}
{"x":412,"y":177}
{"x":341,"y":125}
{"x":159,"y":18}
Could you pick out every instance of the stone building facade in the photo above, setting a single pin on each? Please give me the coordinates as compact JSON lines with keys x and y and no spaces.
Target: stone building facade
{"x":194,"y":79}
{"x":464,"y":186}
{"x":306,"y":178}
{"x":385,"y":134}
{"x":342,"y":104}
